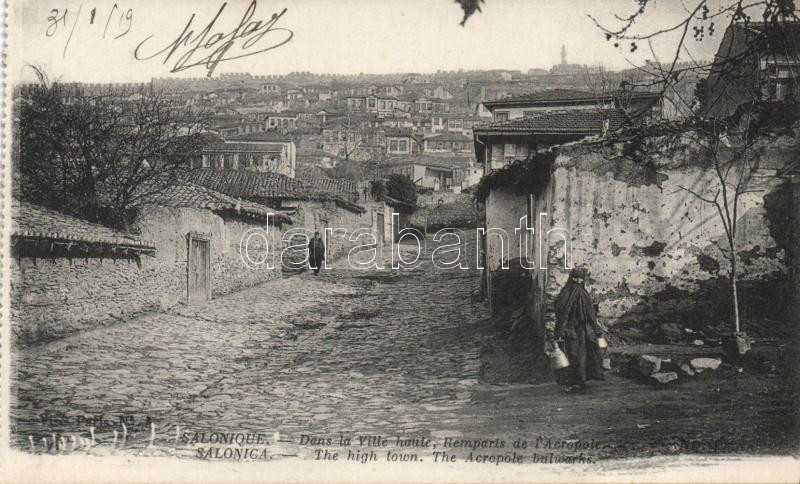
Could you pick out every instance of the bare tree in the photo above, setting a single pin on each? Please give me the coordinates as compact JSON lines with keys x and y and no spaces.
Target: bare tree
{"x":352,"y":135}
{"x":611,"y":87}
{"x":96,"y":154}
{"x":733,"y":165}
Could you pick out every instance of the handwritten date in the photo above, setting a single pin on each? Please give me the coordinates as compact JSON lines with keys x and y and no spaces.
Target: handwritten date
{"x":58,"y":19}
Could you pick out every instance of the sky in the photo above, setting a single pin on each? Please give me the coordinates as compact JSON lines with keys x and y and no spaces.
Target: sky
{"x":342,"y":36}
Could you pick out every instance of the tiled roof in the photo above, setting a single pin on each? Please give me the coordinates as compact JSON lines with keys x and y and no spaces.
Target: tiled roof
{"x":347,"y":188}
{"x":550,"y":95}
{"x":430,"y":159}
{"x":191,"y":195}
{"x":449,"y":137}
{"x":36,"y":222}
{"x":256,"y":186}
{"x":263,"y":136}
{"x":585,"y":122}
{"x":565,"y":96}
{"x":248,"y":184}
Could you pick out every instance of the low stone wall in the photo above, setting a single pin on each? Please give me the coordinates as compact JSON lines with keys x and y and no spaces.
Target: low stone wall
{"x":53,"y":298}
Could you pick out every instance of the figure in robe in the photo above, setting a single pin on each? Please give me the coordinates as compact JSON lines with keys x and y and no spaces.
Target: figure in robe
{"x":316,"y":252}
{"x":577,"y":326}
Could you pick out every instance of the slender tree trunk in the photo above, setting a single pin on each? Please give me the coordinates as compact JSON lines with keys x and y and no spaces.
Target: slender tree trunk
{"x":734,"y":289}
{"x":735,"y":302}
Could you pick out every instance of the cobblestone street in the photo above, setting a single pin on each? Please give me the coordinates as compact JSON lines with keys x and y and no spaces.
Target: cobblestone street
{"x":362,"y":352}
{"x":351,"y":351}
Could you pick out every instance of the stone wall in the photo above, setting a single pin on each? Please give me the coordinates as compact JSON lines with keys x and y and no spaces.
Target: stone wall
{"x":314,"y":216}
{"x":229,"y":271}
{"x":654,"y":250}
{"x":53,"y":298}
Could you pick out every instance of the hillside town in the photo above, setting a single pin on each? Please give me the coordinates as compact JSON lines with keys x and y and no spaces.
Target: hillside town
{"x":303,"y":125}
{"x":173,"y":289}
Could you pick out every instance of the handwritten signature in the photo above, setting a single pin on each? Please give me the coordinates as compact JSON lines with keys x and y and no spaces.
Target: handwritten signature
{"x":208,"y":49}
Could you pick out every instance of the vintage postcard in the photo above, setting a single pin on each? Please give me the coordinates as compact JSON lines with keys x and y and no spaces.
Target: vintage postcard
{"x":400,"y":241}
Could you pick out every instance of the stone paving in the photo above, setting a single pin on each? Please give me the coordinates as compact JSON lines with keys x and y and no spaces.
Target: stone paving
{"x":355,"y":352}
{"x":350,"y":351}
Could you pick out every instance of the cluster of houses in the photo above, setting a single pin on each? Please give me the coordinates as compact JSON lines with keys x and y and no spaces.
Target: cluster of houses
{"x":380,"y":119}
{"x":546,"y":160}
{"x":361,"y":123}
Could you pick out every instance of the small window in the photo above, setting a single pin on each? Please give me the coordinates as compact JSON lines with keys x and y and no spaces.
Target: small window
{"x":501,"y":116}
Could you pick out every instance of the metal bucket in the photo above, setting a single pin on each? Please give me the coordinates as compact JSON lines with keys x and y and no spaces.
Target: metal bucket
{"x":558,"y":359}
{"x":602,"y":343}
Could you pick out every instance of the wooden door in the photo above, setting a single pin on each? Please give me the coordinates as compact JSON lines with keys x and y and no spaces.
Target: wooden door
{"x":198,"y":270}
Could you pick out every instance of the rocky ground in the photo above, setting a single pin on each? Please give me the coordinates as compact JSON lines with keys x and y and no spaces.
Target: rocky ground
{"x":380,"y":353}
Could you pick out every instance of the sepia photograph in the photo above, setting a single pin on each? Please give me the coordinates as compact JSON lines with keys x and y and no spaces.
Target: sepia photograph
{"x":401,"y":241}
